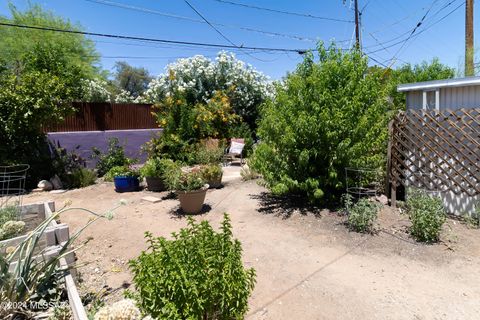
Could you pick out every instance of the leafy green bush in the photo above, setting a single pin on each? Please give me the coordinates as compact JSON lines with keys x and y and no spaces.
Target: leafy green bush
{"x":427,"y":215}
{"x":197,"y":275}
{"x":362,"y":215}
{"x":185,"y":125}
{"x":177,"y":179}
{"x":327,"y":116}
{"x":208,"y":155}
{"x":155,"y":167}
{"x":115,"y":156}
{"x":211,"y":172}
{"x":120,"y":171}
{"x":81,"y":178}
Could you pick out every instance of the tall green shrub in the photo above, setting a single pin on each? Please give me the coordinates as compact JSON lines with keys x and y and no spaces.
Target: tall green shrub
{"x":427,"y":215}
{"x":328,"y":114}
{"x":197,"y":275}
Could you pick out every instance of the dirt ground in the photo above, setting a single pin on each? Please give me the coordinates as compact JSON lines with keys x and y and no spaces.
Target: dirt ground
{"x":309,"y":266}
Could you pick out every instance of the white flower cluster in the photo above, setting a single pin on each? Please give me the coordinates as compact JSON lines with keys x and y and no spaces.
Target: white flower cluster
{"x":121,"y":310}
{"x":124,"y":97}
{"x":201,"y":77}
{"x":95,"y":90}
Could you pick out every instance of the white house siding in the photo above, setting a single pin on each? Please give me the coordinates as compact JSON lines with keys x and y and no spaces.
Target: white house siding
{"x":451,"y":98}
{"x":414,"y":99}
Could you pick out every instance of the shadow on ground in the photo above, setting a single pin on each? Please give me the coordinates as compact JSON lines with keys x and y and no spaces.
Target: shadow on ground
{"x":284,"y":206}
{"x":178,"y":213}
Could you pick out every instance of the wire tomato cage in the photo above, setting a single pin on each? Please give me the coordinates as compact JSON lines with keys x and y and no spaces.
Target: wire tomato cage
{"x":12,"y":186}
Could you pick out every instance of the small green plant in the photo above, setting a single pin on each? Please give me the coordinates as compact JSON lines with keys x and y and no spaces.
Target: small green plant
{"x":115,"y":156}
{"x":248,"y":173}
{"x":61,"y":312}
{"x":362,"y":215}
{"x":474,"y":218}
{"x":120,"y":171}
{"x":177,"y":179}
{"x":8,"y":213}
{"x":211,"y":172}
{"x":198,"y":274}
{"x":11,"y":228}
{"x":155,"y":167}
{"x":189,"y":181}
{"x":208,"y":155}
{"x":427,"y":215}
{"x":82,"y":177}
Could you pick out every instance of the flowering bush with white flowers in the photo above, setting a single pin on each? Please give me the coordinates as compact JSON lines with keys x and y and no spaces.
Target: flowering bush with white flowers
{"x":199,"y":78}
{"x":95,"y":90}
{"x":124,"y":97}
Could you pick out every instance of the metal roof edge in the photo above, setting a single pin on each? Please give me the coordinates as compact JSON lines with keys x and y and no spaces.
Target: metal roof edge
{"x":426,"y":85}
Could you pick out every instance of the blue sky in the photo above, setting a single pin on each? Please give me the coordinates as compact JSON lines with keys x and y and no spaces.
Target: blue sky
{"x":385,"y":24}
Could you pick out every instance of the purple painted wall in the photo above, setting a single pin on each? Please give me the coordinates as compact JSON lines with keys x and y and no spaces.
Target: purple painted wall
{"x":132,"y":140}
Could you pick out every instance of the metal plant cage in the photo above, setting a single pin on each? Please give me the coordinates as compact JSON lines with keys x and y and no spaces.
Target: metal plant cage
{"x":362,"y":182}
{"x":12,"y":186}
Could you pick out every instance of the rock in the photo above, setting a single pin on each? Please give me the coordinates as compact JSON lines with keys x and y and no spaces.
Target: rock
{"x":56,"y":182}
{"x":58,"y":191}
{"x":45,"y":185}
{"x":151,"y":199}
{"x":382,"y":199}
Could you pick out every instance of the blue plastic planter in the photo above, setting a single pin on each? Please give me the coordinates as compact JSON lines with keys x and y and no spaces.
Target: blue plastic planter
{"x":126,"y":184}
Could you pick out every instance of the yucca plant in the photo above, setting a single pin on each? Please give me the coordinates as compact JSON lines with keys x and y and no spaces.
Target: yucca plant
{"x":29,"y":272}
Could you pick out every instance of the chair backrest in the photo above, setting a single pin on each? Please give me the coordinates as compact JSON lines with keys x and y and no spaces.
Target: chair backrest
{"x":236,"y":147}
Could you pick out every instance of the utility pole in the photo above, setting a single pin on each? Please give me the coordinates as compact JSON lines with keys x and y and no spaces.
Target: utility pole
{"x":469,"y":68}
{"x":357,"y":25}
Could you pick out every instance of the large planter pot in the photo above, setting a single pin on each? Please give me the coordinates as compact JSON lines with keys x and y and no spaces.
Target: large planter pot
{"x":215,"y":183}
{"x":192,"y":201}
{"x":155,"y":184}
{"x":126,"y":184}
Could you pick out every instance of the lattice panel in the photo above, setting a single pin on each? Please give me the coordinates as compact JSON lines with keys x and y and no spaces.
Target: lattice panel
{"x":436,"y":150}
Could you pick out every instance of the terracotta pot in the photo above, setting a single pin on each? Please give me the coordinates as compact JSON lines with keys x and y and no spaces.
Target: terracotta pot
{"x":215,"y":183}
{"x":155,"y":184}
{"x":192,"y":201}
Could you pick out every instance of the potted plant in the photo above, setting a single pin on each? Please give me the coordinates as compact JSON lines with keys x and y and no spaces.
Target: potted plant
{"x":189,"y":186}
{"x":153,"y":171}
{"x":125,"y":179}
{"x":212,"y":173}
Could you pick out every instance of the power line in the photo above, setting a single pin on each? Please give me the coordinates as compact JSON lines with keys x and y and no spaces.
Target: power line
{"x":413,"y":31}
{"x":418,"y":33}
{"x":211,"y":25}
{"x":299,"y":14}
{"x":409,"y":30}
{"x":179,"y":17}
{"x":216,"y":29}
{"x":176,"y":42}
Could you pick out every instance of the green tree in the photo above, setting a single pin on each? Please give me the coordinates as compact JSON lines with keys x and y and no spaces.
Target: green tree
{"x":15,"y":42}
{"x":327,"y":115}
{"x":39,"y":95}
{"x":425,"y":71}
{"x":132,"y":79}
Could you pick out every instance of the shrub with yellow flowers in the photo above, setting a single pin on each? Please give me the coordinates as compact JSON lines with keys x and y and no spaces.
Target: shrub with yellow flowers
{"x":185,"y":124}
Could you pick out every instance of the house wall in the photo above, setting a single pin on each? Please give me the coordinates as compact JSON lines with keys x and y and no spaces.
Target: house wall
{"x":132,"y":140}
{"x":452,"y":98}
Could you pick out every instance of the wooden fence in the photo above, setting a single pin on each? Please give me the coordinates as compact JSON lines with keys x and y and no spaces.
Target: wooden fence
{"x":438,"y":151}
{"x":106,"y":116}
